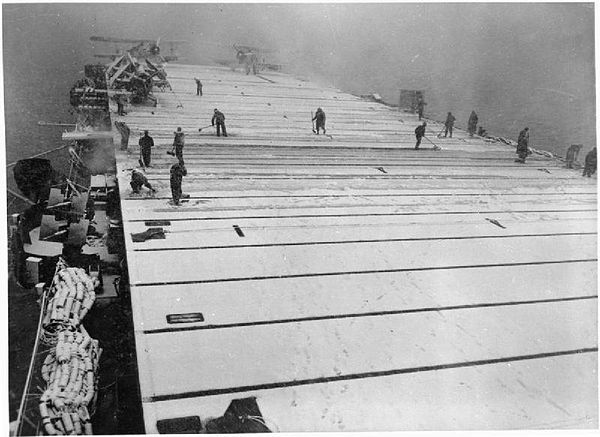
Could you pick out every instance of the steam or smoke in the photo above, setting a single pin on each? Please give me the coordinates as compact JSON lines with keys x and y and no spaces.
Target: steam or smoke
{"x":515,"y":64}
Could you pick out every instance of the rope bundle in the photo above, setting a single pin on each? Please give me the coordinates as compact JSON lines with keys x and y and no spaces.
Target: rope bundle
{"x":71,"y":367}
{"x":71,"y":296}
{"x":70,"y":372}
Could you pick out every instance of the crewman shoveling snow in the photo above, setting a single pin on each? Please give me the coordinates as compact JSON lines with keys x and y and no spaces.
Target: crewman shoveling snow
{"x":320,"y":119}
{"x":420,"y":133}
{"x":219,"y":118}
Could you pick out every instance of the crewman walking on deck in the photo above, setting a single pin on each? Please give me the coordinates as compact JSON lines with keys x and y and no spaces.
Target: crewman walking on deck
{"x":219,"y":118}
{"x":420,"y":133}
{"x":473,"y":119}
{"x":590,"y":163}
{"x":146,"y":144}
{"x":523,"y":145}
{"x":198,"y":87}
{"x":124,"y":131}
{"x":178,"y":171}
{"x":139,"y":180}
{"x":178,"y":143}
{"x":449,"y":124}
{"x":420,"y":107}
{"x":120,"y":104}
{"x":572,"y":154}
{"x":320,"y":120}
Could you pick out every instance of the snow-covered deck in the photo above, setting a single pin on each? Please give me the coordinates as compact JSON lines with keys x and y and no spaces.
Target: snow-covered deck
{"x":371,"y":286}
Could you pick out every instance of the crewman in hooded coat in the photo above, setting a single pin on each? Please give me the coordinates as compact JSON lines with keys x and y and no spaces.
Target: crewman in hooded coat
{"x":320,"y":120}
{"x":198,"y":87}
{"x":523,"y":145}
{"x":473,"y":119}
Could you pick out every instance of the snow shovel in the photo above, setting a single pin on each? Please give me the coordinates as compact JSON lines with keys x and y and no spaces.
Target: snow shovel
{"x":435,"y":146}
{"x":200,"y":129}
{"x":312,"y":121}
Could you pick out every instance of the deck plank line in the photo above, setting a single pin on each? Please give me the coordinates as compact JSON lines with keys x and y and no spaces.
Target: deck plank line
{"x":378,"y":240}
{"x":359,"y":272}
{"x":352,"y":196}
{"x":375,"y":374}
{"x":367,"y":214}
{"x":367,"y":314}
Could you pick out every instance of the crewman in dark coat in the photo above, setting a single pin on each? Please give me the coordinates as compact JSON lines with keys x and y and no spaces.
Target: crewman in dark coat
{"x":420,"y":133}
{"x":523,"y":145}
{"x":320,"y":119}
{"x":219,"y":118}
{"x":198,"y":87}
{"x":139,"y":180}
{"x":590,"y":163}
{"x":473,"y":119}
{"x":146,"y":144}
{"x":420,"y":108}
{"x":124,"y":131}
{"x":178,"y":171}
{"x":120,"y":104}
{"x":178,"y":143}
{"x":449,"y":124}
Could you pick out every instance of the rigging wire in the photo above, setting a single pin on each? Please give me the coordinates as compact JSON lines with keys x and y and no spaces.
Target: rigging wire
{"x":20,"y":416}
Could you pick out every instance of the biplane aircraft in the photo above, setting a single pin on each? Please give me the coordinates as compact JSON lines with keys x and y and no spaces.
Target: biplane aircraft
{"x":143,"y":48}
{"x":254,"y":59}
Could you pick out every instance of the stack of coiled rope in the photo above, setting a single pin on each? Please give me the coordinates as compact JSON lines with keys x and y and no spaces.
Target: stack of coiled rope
{"x":71,"y":297}
{"x":71,"y":367}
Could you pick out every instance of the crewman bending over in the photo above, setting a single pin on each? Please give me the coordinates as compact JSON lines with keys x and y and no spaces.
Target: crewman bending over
{"x":139,"y":180}
{"x":198,"y":87}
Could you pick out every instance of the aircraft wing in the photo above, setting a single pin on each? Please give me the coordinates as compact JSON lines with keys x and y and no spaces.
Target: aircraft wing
{"x":120,"y":40}
{"x":132,"y":40}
